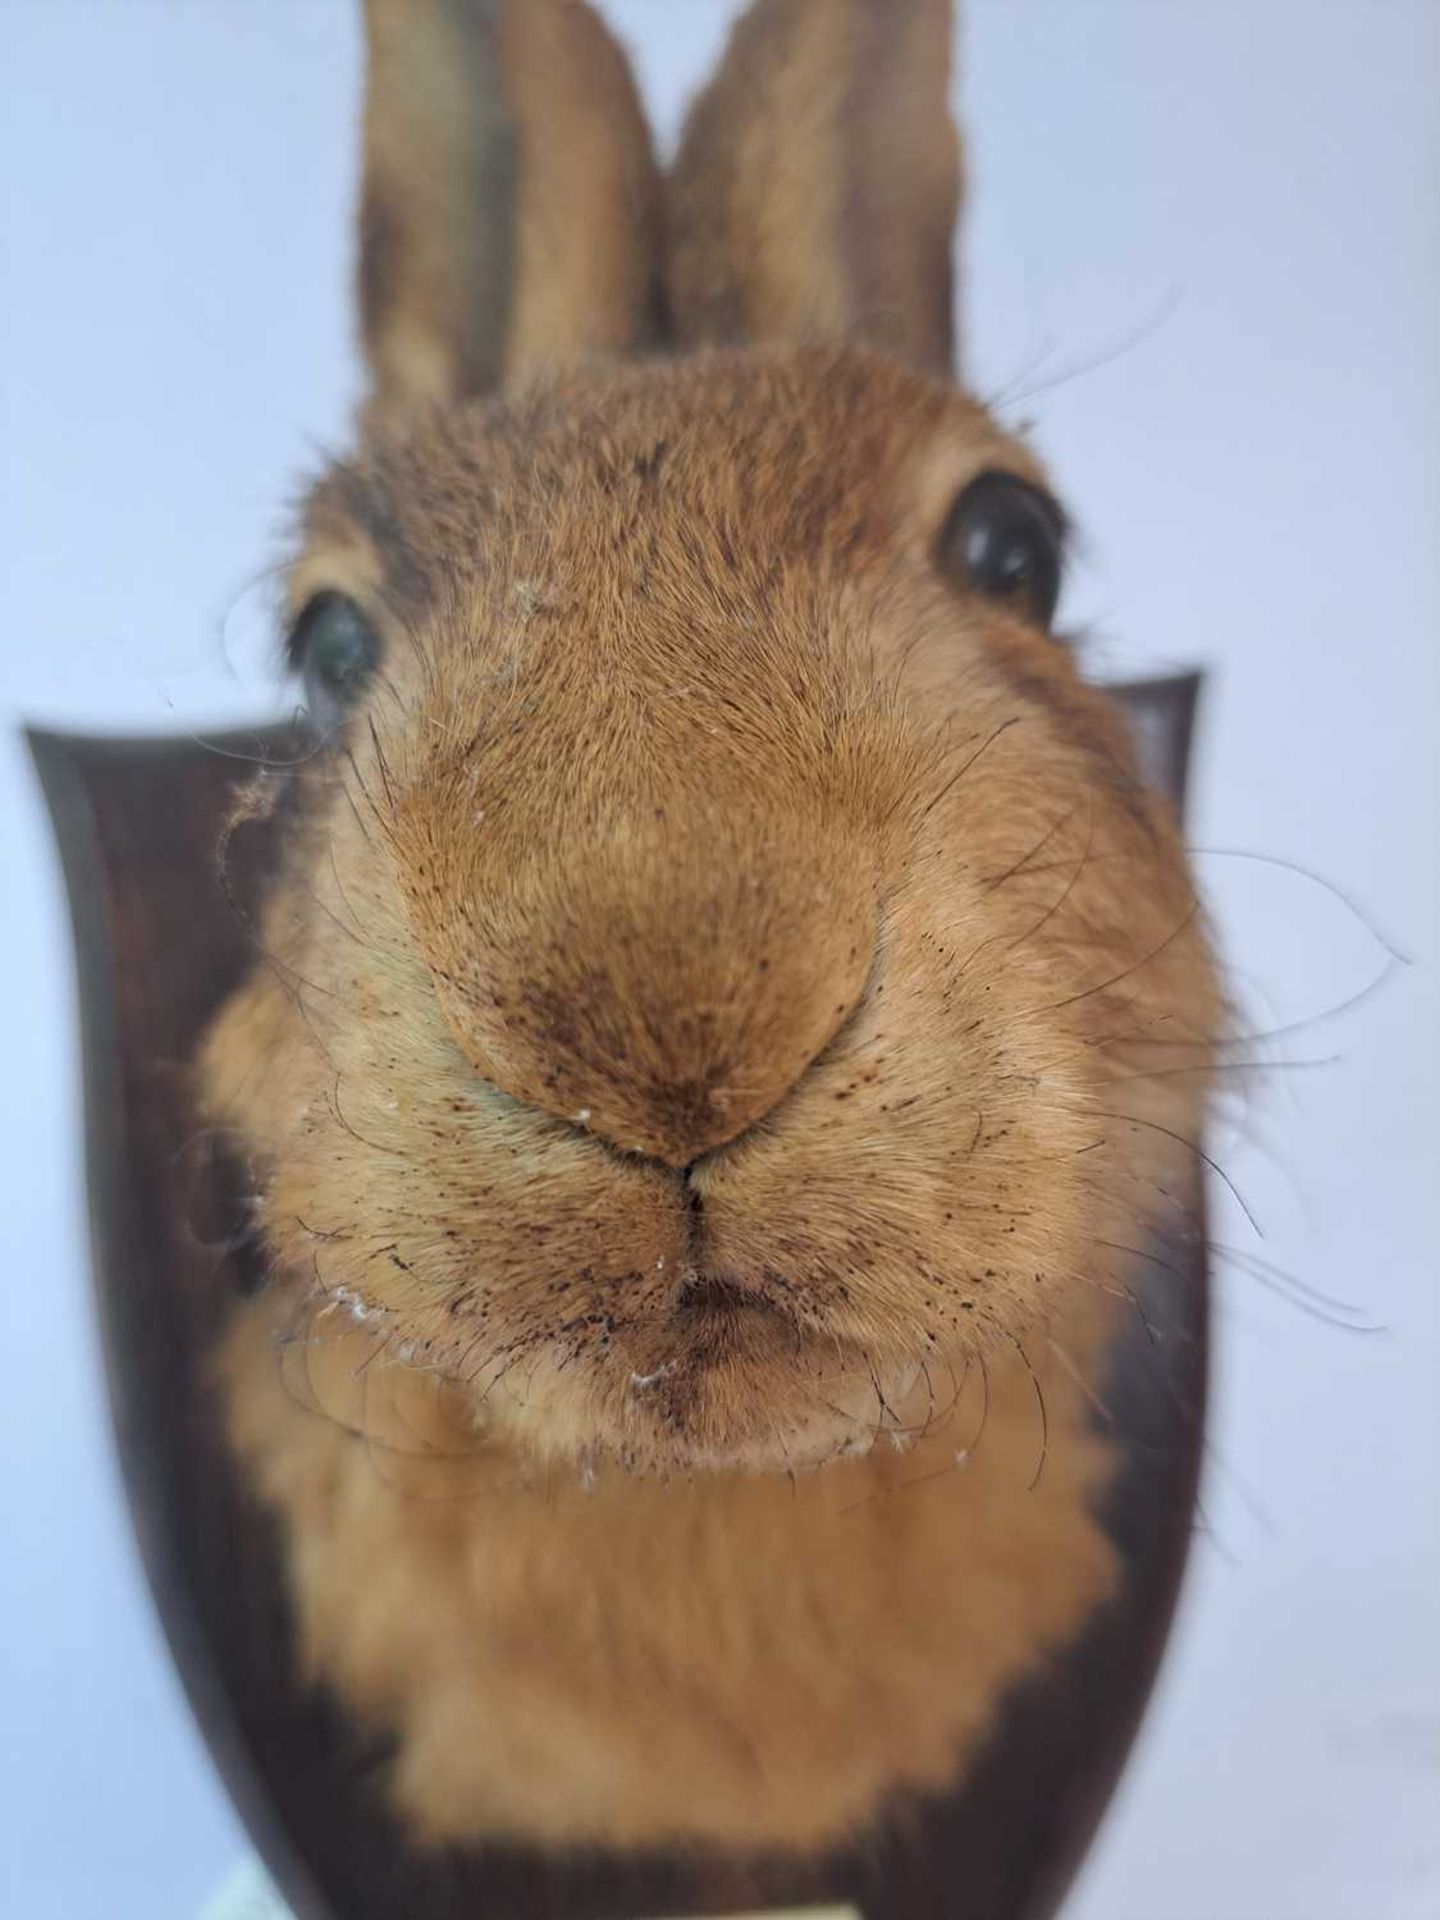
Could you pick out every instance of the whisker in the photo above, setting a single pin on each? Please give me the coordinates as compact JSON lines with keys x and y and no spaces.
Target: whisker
{"x":264,"y":755}
{"x":1296,"y":867}
{"x":1226,"y":1066}
{"x":960,"y":773}
{"x":1310,"y":1302}
{"x":1183,"y":1140}
{"x":1010,"y":872}
{"x":1044,"y":1416}
{"x":1066,"y":892}
{"x":1204,"y":1525}
{"x":1070,"y":1000}
{"x":1084,"y":1386}
{"x":1137,"y":336}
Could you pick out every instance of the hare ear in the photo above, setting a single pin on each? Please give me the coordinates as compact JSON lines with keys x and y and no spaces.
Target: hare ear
{"x":818,"y":181}
{"x":511,"y":205}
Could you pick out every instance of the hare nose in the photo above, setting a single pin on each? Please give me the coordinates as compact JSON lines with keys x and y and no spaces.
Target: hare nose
{"x":667,"y":1001}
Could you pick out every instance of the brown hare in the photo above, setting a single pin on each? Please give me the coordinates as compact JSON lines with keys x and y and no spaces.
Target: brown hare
{"x":729,"y":1005}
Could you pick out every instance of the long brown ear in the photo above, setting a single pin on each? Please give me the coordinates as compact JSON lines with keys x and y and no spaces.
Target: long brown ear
{"x":511,"y":206}
{"x":818,"y":181}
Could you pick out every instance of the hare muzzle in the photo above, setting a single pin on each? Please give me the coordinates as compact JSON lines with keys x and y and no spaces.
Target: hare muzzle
{"x":662,"y":981}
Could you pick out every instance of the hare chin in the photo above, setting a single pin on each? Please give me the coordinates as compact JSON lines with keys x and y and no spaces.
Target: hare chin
{"x":740,"y":1387}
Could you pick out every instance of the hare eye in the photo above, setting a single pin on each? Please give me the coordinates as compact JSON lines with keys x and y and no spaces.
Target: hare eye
{"x":1006,"y":539}
{"x":335,"y":650}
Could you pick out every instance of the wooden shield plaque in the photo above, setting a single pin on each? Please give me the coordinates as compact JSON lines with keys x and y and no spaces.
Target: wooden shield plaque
{"x":160,"y":943}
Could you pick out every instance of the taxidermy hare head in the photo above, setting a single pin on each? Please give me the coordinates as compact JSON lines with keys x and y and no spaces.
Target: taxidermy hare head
{"x":727,"y":979}
{"x":718,"y":911}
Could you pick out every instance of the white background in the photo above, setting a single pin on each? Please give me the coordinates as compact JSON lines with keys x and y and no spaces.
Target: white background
{"x":1205,"y":231}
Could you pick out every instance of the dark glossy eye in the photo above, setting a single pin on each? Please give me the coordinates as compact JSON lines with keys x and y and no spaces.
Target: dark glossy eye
{"x":335,"y":650}
{"x":1006,"y":539}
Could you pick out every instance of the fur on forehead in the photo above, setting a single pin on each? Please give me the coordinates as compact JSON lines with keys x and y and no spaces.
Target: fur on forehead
{"x":830,"y":456}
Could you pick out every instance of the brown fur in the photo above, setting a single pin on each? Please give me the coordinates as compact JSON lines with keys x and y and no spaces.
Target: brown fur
{"x":511,"y":200}
{"x":817,"y":184}
{"x":702,"y":1033}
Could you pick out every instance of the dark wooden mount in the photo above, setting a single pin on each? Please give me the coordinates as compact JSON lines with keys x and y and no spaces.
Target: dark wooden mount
{"x":160,"y":943}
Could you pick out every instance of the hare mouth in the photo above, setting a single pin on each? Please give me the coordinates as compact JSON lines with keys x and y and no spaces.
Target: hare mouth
{"x":747,"y":1388}
{"x":713,"y":1323}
